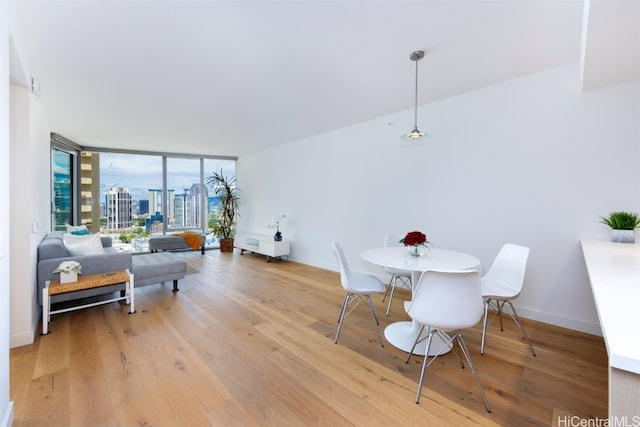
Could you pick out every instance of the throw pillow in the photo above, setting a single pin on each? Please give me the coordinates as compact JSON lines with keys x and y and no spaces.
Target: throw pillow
{"x":81,"y":232}
{"x":83,"y":245}
{"x":72,"y":228}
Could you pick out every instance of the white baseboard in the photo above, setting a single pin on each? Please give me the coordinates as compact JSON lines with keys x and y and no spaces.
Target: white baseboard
{"x":7,"y":419}
{"x":561,"y":321}
{"x":25,"y":338}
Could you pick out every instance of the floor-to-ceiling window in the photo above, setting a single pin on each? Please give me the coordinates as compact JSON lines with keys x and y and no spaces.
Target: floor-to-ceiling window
{"x":132,"y":196}
{"x":149,"y":194}
{"x":63,"y":188}
{"x":186,"y":194}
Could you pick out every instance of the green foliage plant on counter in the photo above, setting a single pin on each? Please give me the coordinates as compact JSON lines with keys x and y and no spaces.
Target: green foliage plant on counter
{"x":621,"y":220}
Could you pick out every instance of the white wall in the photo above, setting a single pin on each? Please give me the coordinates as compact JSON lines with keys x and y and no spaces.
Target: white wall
{"x":6,"y":406}
{"x":27,"y":201}
{"x":531,"y":161}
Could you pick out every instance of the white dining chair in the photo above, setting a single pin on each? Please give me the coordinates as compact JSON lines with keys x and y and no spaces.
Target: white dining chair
{"x":401,"y":278}
{"x":359,"y":288}
{"x":444,"y":302}
{"x":502,"y":284}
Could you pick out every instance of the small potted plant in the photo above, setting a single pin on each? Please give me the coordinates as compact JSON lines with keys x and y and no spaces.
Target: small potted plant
{"x":623,"y":225}
{"x":276,"y":224}
{"x":225,"y":188}
{"x":69,"y":271}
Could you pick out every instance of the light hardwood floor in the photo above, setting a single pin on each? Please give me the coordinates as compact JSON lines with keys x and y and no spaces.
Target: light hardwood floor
{"x":250,"y":343}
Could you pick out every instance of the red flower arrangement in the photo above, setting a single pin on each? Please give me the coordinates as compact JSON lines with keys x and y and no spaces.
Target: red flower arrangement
{"x":415,"y":238}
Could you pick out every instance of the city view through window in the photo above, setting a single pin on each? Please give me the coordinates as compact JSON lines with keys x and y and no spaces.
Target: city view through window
{"x":122,"y":195}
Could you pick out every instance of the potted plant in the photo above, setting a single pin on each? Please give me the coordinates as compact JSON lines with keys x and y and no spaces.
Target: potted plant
{"x":622,"y":226}
{"x":276,"y":224}
{"x":69,"y":271}
{"x":414,"y":240}
{"x":225,"y":188}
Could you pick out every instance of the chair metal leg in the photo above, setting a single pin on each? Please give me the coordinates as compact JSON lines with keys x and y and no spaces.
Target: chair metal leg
{"x":375,"y":318}
{"x":484,"y":325}
{"x":393,"y":289}
{"x":500,"y":305}
{"x":516,"y":319}
{"x":445,"y":338}
{"x":391,"y":282}
{"x":344,"y":313}
{"x":344,"y":304}
{"x":418,"y":340}
{"x":465,"y":350}
{"x":341,"y":317}
{"x":424,"y":365}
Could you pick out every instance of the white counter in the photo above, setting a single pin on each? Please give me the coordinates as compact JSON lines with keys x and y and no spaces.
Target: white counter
{"x":614,"y":273}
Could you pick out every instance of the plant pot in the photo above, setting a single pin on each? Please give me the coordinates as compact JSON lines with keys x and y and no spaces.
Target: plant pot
{"x":623,"y":236}
{"x":226,"y":245}
{"x":70,"y":277}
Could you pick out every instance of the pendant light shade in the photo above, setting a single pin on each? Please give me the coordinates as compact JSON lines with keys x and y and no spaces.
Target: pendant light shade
{"x":415,"y":135}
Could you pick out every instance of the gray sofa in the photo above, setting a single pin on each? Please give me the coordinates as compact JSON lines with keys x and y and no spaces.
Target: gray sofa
{"x":52,"y":251}
{"x":146,"y":268}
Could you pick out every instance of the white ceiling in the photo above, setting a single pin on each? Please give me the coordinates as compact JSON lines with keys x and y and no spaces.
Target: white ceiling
{"x":232,"y":77}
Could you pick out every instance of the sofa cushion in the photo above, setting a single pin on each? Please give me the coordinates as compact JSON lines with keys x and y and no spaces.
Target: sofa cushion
{"x":157,"y":268}
{"x":83,"y":245}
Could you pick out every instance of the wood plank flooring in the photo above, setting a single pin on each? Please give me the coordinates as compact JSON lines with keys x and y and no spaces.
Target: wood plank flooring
{"x":250,"y":343}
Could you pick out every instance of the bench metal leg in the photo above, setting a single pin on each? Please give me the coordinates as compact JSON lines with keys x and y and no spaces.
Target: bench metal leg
{"x":129,"y":289}
{"x":46,"y":308}
{"x":175,"y":285}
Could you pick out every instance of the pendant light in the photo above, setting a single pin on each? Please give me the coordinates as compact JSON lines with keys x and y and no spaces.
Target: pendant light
{"x":415,"y":135}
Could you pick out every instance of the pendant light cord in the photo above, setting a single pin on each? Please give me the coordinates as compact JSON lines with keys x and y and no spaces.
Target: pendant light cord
{"x":415,"y":135}
{"x":415,"y":111}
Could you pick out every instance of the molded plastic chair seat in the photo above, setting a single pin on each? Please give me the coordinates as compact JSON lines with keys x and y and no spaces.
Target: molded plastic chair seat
{"x":446,"y":302}
{"x":359,"y":288}
{"x":493,"y":290}
{"x":502,"y":284}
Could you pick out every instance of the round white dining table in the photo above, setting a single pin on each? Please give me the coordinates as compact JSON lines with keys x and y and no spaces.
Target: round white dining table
{"x":403,"y":334}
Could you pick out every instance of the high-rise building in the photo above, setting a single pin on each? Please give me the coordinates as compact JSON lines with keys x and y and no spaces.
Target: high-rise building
{"x":197,"y":193}
{"x":155,"y":201}
{"x":179,"y":210}
{"x":143,"y":207}
{"x":156,"y":205}
{"x":90,"y":190}
{"x":119,"y":208}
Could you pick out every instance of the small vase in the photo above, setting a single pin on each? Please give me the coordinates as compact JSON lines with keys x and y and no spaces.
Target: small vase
{"x":277,"y":237}
{"x":69,"y":277}
{"x":415,"y":250}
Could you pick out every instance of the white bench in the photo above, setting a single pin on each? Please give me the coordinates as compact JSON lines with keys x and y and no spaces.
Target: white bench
{"x":260,"y":244}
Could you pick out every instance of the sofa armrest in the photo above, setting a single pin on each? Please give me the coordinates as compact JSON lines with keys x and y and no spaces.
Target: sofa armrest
{"x":91,"y":264}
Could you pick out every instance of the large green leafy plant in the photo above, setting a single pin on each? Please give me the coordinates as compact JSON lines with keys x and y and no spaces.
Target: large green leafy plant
{"x":621,"y":220}
{"x":225,"y":188}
